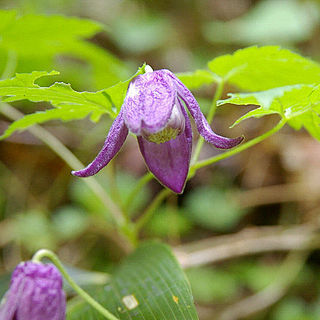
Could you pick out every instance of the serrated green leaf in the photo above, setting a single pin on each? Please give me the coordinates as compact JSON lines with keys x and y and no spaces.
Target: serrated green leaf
{"x":149,"y":285}
{"x":310,"y":121}
{"x":298,"y":104}
{"x":262,"y":68}
{"x":197,"y":79}
{"x":256,"y":113}
{"x":70,"y":104}
{"x":288,"y":101}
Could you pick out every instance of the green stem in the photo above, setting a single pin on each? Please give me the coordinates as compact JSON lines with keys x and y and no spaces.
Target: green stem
{"x":142,"y":182}
{"x":44,"y":253}
{"x":65,"y":154}
{"x":210,"y":116}
{"x":236,"y":150}
{"x":144,"y":218}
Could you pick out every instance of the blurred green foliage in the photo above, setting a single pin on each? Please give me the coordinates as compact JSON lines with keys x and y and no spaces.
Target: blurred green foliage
{"x":211,"y":208}
{"x":270,"y":21}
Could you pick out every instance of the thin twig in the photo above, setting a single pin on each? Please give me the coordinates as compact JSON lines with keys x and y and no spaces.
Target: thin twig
{"x":276,"y":194}
{"x":247,"y":242}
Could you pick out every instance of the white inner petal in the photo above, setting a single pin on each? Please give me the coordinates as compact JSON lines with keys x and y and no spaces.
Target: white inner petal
{"x":148,"y":69}
{"x":133,"y":90}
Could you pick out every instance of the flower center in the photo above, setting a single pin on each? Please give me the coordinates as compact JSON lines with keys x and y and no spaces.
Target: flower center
{"x":164,"y":135}
{"x":174,"y":127}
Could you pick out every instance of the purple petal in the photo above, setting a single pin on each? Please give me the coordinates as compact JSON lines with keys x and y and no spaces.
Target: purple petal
{"x":35,"y":293}
{"x":115,"y":139}
{"x":169,"y":161}
{"x":200,"y":120}
{"x":12,"y":299}
{"x":149,"y":102}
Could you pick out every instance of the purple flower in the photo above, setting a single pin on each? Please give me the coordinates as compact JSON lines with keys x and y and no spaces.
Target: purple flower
{"x":35,"y":294}
{"x":153,"y":110}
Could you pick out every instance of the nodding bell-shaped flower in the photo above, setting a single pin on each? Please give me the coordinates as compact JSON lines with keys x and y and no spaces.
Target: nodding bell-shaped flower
{"x":153,"y":110}
{"x":35,"y":294}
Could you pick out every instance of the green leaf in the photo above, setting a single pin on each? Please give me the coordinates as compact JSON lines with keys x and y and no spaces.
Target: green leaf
{"x":310,"y":121}
{"x":56,"y":34}
{"x":6,"y":18}
{"x":262,"y":68}
{"x":49,"y":34}
{"x":70,"y":104}
{"x":149,"y":285}
{"x":299,"y":104}
{"x":198,"y":78}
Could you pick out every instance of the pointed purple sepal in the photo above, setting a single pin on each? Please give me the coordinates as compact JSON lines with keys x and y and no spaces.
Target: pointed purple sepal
{"x":115,"y":139}
{"x":200,"y":120}
{"x":169,"y":161}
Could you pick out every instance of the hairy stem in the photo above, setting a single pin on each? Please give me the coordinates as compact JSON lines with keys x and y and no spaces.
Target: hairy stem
{"x":53,"y":257}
